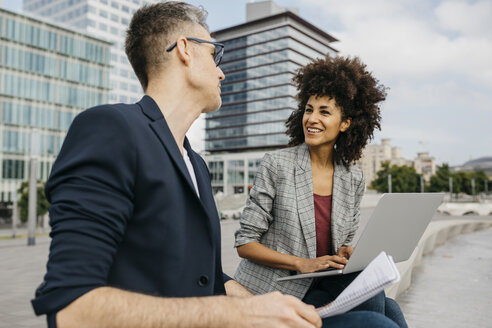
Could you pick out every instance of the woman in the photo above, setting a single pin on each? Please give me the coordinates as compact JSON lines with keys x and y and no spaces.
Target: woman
{"x":303,"y":209}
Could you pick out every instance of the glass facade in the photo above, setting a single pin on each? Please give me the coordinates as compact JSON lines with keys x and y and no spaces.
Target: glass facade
{"x":258,"y":94}
{"x":216,"y":173}
{"x":48,"y":75}
{"x":106,"y":19}
{"x":235,"y":175}
{"x":253,"y":165}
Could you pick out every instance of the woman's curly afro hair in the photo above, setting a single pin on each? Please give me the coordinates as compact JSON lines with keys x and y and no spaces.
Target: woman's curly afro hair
{"x":355,"y":91}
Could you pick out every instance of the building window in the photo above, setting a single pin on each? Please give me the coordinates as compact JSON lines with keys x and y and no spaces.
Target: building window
{"x":134,"y":88}
{"x":216,"y":172}
{"x":235,"y":175}
{"x":124,"y":72}
{"x":253,"y":165}
{"x":13,"y":169}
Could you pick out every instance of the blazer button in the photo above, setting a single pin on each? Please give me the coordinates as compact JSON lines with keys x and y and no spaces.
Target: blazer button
{"x":203,"y":281}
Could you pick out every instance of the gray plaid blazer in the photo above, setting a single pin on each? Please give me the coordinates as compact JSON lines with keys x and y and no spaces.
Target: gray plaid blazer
{"x":280,"y":215}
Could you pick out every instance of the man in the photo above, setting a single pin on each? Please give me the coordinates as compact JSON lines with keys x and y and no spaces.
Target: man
{"x":135,"y":232}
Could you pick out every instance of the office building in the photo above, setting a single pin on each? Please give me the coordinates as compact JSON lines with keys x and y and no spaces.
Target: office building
{"x":258,"y":96}
{"x":48,"y":74}
{"x":107,"y":19}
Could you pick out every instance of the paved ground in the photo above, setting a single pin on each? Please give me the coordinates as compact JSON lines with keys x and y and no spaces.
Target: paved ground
{"x":453,"y":286}
{"x":23,"y":267}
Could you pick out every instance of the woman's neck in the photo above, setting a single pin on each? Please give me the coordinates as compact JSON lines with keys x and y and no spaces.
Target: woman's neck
{"x":321,"y":156}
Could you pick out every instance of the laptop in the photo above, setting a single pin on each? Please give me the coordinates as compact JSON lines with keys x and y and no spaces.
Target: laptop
{"x":395,"y":226}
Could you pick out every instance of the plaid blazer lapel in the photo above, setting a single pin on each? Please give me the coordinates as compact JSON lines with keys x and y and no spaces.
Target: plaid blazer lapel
{"x":304,"y":197}
{"x":341,"y":184}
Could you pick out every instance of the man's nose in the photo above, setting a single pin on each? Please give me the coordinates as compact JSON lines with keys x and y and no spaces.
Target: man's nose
{"x":221,"y":74}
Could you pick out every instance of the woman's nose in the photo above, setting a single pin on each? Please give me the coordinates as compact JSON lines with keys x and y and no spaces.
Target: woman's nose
{"x":313,"y":117}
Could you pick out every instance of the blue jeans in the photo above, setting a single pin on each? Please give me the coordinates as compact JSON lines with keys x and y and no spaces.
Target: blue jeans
{"x":359,"y":319}
{"x":325,"y":290}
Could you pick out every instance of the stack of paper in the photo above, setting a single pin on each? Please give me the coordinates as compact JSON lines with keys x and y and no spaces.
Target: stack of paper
{"x":379,"y":274}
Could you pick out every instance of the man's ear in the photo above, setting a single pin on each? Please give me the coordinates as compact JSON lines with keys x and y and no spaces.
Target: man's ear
{"x":345,"y":124}
{"x":183,"y":50}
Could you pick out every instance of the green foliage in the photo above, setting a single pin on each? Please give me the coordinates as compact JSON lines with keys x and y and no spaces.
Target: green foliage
{"x":42,"y":202}
{"x":403,"y":179}
{"x":480,"y":177}
{"x":406,"y":179}
{"x":440,"y":180}
{"x":462,"y":181}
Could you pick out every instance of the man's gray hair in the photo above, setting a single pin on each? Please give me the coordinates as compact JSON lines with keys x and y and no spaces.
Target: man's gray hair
{"x":150,"y":32}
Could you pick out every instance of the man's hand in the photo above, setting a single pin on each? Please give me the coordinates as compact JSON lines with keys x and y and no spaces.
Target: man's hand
{"x":320,"y":263}
{"x":233,"y":288}
{"x":345,"y":251}
{"x":278,"y":311}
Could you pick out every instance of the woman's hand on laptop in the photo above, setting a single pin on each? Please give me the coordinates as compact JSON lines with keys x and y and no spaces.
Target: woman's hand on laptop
{"x":345,"y":251}
{"x":320,"y":263}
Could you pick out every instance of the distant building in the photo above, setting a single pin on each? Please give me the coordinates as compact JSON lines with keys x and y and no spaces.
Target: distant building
{"x":48,"y":74}
{"x":107,"y":19}
{"x":257,"y":95}
{"x":374,"y":155}
{"x":425,"y":165}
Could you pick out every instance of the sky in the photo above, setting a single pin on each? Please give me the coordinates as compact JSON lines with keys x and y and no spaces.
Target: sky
{"x":435,"y":56}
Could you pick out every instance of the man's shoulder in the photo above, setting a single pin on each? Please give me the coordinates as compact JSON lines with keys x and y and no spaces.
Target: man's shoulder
{"x":113,"y":109}
{"x":126,"y":115}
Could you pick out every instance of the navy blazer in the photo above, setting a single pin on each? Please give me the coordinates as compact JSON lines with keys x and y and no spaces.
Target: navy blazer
{"x":124,"y":211}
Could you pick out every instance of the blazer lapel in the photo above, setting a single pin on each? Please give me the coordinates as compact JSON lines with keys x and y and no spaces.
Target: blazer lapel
{"x":338,"y":210}
{"x":203,"y":182}
{"x":305,"y":200}
{"x":161,"y":129}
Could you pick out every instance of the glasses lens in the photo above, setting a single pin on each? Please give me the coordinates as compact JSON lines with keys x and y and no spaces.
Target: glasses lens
{"x":219,"y":52}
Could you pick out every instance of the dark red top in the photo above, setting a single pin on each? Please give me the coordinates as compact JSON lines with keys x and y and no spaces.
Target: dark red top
{"x":322,"y":215}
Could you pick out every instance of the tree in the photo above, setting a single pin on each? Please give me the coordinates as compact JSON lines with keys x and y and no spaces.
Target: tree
{"x":381,"y":182}
{"x":460,"y":182}
{"x":440,"y":180}
{"x":403,"y":179}
{"x":42,"y":202}
{"x":480,"y":177}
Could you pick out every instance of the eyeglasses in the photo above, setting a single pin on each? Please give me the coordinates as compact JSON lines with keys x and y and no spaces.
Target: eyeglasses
{"x":219,"y":48}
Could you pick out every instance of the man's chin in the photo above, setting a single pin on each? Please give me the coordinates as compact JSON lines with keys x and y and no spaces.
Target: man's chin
{"x":212,"y":108}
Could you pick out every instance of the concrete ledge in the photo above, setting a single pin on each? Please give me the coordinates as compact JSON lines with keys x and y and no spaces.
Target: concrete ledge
{"x":436,"y":234}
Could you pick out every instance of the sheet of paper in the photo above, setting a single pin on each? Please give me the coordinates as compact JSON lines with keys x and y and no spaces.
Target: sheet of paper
{"x":379,"y":274}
